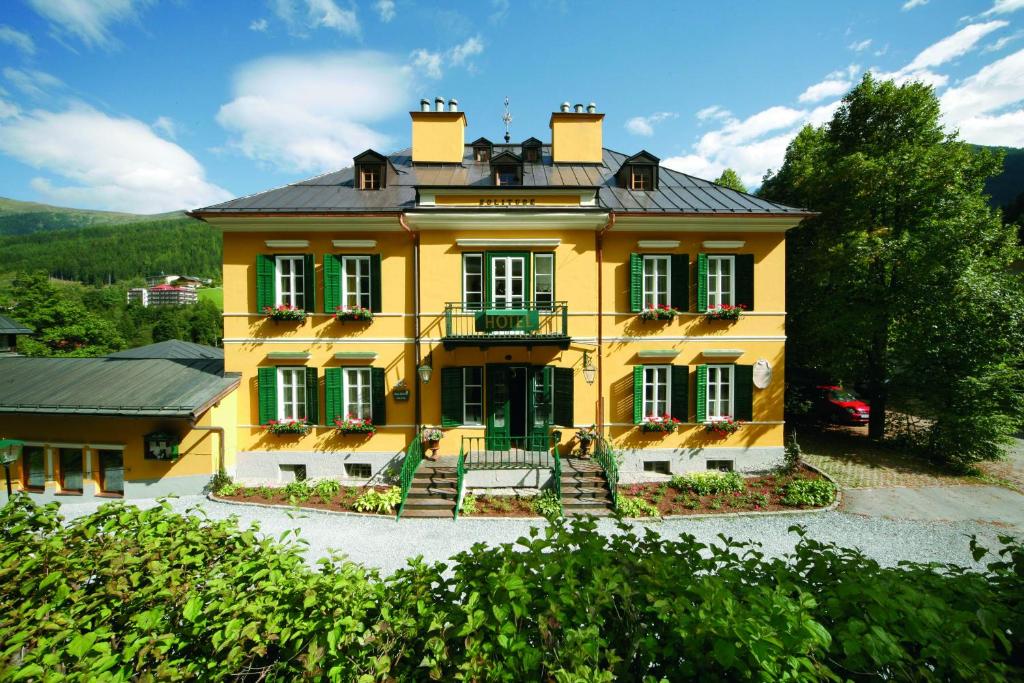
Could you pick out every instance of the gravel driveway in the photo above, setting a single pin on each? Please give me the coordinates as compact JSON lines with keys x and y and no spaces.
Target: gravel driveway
{"x":386,"y":544}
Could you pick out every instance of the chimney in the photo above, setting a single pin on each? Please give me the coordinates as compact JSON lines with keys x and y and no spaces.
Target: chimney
{"x":576,"y":135}
{"x":438,"y":134}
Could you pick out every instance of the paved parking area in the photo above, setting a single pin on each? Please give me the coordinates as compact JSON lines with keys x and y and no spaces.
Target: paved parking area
{"x":993,"y":505}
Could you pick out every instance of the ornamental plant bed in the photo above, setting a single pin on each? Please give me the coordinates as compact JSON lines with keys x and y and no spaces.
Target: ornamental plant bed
{"x":706,"y":494}
{"x":497,"y":506}
{"x":304,"y":495}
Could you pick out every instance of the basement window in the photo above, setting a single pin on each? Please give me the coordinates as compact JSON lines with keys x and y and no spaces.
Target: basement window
{"x":657,"y":466}
{"x":357,"y":470}
{"x":720,"y":465}
{"x":290,"y":473}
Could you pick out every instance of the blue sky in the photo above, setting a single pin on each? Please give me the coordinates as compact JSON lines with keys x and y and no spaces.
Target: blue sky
{"x":154,"y":105}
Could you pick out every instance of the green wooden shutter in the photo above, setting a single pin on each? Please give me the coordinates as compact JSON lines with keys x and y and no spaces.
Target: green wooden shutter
{"x":451,"y":397}
{"x":681,"y":392}
{"x":745,"y":280}
{"x":312,"y":396}
{"x":264,"y":281}
{"x":309,"y":282}
{"x":636,"y":282}
{"x":332,"y":393}
{"x":680,"y":282}
{"x":266,"y":385}
{"x":702,"y":393}
{"x":378,"y":387}
{"x":564,"y":396}
{"x":702,"y":283}
{"x":375,"y":283}
{"x":743,"y":394}
{"x":332,"y":283}
{"x":638,"y":394}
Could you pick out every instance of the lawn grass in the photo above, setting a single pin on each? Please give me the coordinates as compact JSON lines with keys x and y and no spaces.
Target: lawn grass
{"x":214,"y":294}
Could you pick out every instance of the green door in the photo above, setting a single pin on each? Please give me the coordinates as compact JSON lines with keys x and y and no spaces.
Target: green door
{"x":498,"y":416}
{"x":539,"y":407}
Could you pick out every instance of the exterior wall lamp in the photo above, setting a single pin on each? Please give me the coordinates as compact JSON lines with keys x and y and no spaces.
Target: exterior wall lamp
{"x":425,"y":371}
{"x":588,"y":368}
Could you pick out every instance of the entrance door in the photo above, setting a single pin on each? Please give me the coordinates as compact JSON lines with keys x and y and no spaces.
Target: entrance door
{"x":509,"y":275}
{"x":497,"y":437}
{"x":539,"y":413}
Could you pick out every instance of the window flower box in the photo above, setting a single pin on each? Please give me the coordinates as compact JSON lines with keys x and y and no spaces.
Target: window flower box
{"x":356,"y":313}
{"x":661,"y":312}
{"x":666,"y":424}
{"x":725,"y":312}
{"x":723,"y":427}
{"x":285,"y":313}
{"x":355,"y":425}
{"x":283,"y":427}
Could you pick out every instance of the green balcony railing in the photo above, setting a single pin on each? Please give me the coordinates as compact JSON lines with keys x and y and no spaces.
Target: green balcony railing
{"x":504,"y":324}
{"x":411,"y":462}
{"x":604,"y":455}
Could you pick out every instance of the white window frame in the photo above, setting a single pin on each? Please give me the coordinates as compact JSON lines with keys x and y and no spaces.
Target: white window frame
{"x":297,"y":297}
{"x":656,"y":294}
{"x":657,"y":397}
{"x":466,"y":385}
{"x":465,"y":284}
{"x":364,"y":388}
{"x":298,"y":407}
{"x":716,"y":293}
{"x":550,"y":258}
{"x":713,"y":405}
{"x":362,"y":266}
{"x":510,"y":301}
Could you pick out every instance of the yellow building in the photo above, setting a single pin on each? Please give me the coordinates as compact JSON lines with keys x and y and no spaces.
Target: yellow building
{"x":517,"y":279}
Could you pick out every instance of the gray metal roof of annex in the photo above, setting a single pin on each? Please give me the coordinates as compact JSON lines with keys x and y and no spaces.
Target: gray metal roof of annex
{"x":8,"y":326}
{"x":172,"y":349}
{"x":335,"y":192}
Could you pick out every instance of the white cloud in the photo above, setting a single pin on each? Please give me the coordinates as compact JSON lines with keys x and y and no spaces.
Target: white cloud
{"x":303,"y":15}
{"x":22,"y":41}
{"x":644,"y":125}
{"x":8,"y":110}
{"x":1002,"y":42}
{"x":386,"y":10}
{"x":259,"y":25}
{"x":432,"y":64}
{"x":313,"y":113}
{"x":1004,"y":7}
{"x":500,"y":11}
{"x":89,"y":20}
{"x":1004,"y":129}
{"x":830,"y":87}
{"x":167,"y":126}
{"x":110,"y":163}
{"x":32,"y":82}
{"x":995,"y":86}
{"x":460,"y":54}
{"x":951,"y":47}
{"x":911,"y":4}
{"x":713,"y":112}
{"x":429,"y":63}
{"x":860,"y":45}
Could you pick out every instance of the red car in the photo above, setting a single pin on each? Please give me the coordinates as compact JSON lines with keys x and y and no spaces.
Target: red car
{"x":836,"y":404}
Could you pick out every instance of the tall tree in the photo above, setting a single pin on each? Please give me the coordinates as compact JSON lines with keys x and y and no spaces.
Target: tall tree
{"x":902,"y":281}
{"x":731,"y":179}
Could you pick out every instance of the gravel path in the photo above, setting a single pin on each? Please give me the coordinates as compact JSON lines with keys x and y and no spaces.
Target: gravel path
{"x":386,"y":544}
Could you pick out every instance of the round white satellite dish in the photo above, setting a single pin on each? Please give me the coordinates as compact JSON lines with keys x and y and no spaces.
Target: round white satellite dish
{"x":762,"y":374}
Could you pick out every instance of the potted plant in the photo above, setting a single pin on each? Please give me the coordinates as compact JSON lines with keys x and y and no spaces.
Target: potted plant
{"x":431,"y":436}
{"x":284,"y":312}
{"x":722,"y":427}
{"x":725,"y":312}
{"x":660,"y":312}
{"x":358,"y":313}
{"x":289,"y":426}
{"x":355,"y":425}
{"x":585,"y":436}
{"x":665,"y":424}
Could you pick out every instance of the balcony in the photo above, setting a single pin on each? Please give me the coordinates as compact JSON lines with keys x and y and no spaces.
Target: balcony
{"x":519,"y":324}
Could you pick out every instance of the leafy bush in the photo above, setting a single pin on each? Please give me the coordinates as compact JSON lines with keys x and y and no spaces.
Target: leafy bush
{"x":129,"y":594}
{"x":468,"y":505}
{"x":547,"y":505}
{"x":326,"y":489}
{"x":708,"y":483}
{"x":630,"y":506}
{"x":297,"y":491}
{"x":816,"y":492}
{"x":227,"y":489}
{"x":219,"y":481}
{"x":381,"y":502}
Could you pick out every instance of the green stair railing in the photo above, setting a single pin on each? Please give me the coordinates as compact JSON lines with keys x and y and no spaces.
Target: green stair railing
{"x":460,"y":471}
{"x":604,"y":455}
{"x":413,"y":458}
{"x":556,"y":473}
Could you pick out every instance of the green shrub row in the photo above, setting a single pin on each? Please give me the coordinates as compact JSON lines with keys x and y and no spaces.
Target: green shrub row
{"x":126,"y":594}
{"x":708,"y":483}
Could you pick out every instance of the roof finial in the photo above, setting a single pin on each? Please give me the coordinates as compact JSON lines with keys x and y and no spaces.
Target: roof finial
{"x":507,"y":118}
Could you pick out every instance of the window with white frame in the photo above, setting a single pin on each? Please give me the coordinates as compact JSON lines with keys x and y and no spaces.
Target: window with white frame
{"x":544,"y":280}
{"x":355,"y":281}
{"x":291,"y":394}
{"x":290,"y":281}
{"x":473,"y":280}
{"x":657,"y":379}
{"x":720,"y":383}
{"x":721,"y":281}
{"x":472,"y":396}
{"x":656,"y":281}
{"x":357,"y":395}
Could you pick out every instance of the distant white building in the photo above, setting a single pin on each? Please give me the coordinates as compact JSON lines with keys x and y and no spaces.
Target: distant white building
{"x":138,"y":295}
{"x":169,"y":295}
{"x":175,"y":280}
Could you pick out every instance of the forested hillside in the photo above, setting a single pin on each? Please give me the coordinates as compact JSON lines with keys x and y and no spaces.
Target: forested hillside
{"x":1007,"y":186}
{"x":22,"y":218}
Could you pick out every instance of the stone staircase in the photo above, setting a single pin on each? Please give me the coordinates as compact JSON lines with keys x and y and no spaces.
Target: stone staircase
{"x":433,"y":492}
{"x":584,"y":489}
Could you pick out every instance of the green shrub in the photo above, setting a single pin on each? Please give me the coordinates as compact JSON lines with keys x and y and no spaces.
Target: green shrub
{"x":228,"y":489}
{"x":547,"y":505}
{"x":468,"y":505}
{"x":815,"y":492}
{"x":630,"y":506}
{"x":708,"y":483}
{"x":297,"y":491}
{"x":326,"y":489}
{"x":373,"y":500}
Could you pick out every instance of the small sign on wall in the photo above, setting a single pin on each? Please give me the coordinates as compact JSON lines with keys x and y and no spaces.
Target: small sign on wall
{"x":161,"y":446}
{"x":400,"y":394}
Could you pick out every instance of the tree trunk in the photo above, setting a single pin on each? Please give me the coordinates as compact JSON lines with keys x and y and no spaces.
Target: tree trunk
{"x":878,"y":381}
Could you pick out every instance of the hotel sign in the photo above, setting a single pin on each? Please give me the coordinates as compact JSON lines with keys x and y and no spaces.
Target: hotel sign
{"x":504,"y":320}
{"x":506,"y":201}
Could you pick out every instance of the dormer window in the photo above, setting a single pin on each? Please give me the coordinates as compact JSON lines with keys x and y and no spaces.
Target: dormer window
{"x":369,"y":177}
{"x":506,"y":175}
{"x":482,"y":148}
{"x":370,"y":171}
{"x":639,"y":173}
{"x":641,"y":178}
{"x":532,"y":150}
{"x":507,"y":169}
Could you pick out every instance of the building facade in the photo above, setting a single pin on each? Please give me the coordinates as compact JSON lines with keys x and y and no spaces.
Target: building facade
{"x":543,"y":287}
{"x":169,"y":295}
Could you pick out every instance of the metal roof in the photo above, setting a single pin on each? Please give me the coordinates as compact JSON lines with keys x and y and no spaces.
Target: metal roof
{"x":127,"y":387}
{"x":171,"y":349}
{"x":335,"y":192}
{"x":8,"y":326}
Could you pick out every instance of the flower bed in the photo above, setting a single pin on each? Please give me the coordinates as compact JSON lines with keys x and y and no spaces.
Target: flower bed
{"x":289,"y":427}
{"x":326,"y":494}
{"x":356,"y":313}
{"x":714,"y":492}
{"x":354,"y":425}
{"x":497,"y":506}
{"x":666,"y":424}
{"x":725,"y":312}
{"x":286,"y":313}
{"x":661,"y":312}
